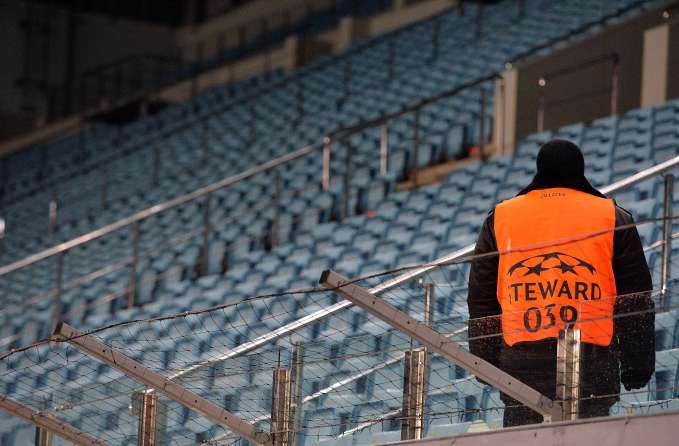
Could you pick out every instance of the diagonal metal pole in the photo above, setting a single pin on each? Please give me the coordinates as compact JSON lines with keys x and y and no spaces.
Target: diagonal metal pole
{"x":43,"y":421}
{"x":442,"y":345}
{"x":148,"y":377}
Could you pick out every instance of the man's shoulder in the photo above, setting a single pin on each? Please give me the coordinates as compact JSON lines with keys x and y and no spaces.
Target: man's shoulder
{"x":622,"y":215}
{"x":509,"y":202}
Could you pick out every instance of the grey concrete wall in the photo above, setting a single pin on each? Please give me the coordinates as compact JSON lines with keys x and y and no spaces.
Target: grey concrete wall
{"x":584,"y":95}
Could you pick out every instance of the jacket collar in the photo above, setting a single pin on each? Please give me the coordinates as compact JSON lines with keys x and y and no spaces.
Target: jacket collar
{"x":581,"y":184}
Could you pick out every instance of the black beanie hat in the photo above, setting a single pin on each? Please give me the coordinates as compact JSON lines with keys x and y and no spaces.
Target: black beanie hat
{"x":559,"y":158}
{"x":560,"y":163}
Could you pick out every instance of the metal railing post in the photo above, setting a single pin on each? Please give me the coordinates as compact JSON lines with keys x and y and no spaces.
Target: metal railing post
{"x":207,"y":229}
{"x":542,"y":83}
{"x":132,"y":287}
{"x":482,"y":125}
{"x":43,"y":437}
{"x":281,"y":406}
{"x":53,"y":213}
{"x":298,"y":376}
{"x":666,"y":253}
{"x":347,"y":180}
{"x":3,"y":229}
{"x":416,"y":378}
{"x":384,"y":149}
{"x":615,"y":80}
{"x":327,"y":148}
{"x":145,"y":407}
{"x":502,"y":111}
{"x":414,"y":394}
{"x":428,"y":306}
{"x":58,"y":290}
{"x":568,"y":372}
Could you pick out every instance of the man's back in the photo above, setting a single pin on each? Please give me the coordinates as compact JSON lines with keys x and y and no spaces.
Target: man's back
{"x":557,"y":240}
{"x":555,"y":266}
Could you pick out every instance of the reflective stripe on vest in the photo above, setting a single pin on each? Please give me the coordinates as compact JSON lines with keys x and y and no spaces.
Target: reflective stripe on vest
{"x":555,"y":265}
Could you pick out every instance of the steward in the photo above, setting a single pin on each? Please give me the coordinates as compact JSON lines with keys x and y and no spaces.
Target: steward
{"x":562,"y":263}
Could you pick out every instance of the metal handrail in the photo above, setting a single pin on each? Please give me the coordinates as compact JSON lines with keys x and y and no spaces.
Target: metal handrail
{"x":153,"y":210}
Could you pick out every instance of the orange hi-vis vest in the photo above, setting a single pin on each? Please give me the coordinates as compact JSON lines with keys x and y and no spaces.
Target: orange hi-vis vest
{"x":556,"y":265}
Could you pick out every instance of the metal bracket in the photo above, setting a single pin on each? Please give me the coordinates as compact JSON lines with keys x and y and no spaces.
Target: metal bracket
{"x":152,"y":419}
{"x":281,"y":407}
{"x":415,"y":382}
{"x":148,"y":377}
{"x":442,"y":345}
{"x":44,"y":421}
{"x":568,"y":372}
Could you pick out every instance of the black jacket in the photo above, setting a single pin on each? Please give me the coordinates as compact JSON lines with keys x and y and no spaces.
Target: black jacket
{"x":631,"y":356}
